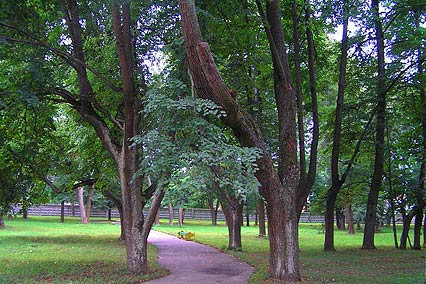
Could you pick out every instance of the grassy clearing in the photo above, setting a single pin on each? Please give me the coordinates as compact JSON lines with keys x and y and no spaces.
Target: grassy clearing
{"x":42,"y":250}
{"x":349,"y":264}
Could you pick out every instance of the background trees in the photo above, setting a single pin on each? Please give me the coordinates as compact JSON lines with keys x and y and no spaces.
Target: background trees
{"x":69,"y":66}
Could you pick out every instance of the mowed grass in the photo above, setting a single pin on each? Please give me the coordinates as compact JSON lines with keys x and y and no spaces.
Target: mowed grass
{"x":349,"y":264}
{"x":43,"y":250}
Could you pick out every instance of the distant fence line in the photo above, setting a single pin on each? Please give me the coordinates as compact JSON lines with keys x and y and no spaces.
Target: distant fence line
{"x":190,"y":213}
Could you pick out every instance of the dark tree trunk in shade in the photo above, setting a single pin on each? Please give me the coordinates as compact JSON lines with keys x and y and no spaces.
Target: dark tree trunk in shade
{"x":336,"y":180}
{"x":376,"y":180}
{"x":62,"y":211}
{"x":261,"y":214}
{"x":1,"y":222}
{"x":214,"y":207}
{"x":340,"y":219}
{"x":233,"y":211}
{"x":424,"y":231}
{"x":417,"y":229}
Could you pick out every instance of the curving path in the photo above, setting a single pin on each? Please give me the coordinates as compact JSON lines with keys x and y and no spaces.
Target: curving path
{"x":193,"y":263}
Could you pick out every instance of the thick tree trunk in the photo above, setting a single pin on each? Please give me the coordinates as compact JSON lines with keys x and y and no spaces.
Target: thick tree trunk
{"x":233,"y":211}
{"x":329,"y":220}
{"x":170,"y":207}
{"x":376,"y":181}
{"x":281,"y":200}
{"x":62,"y":211}
{"x":349,"y":219}
{"x":1,"y":222}
{"x":181,"y":215}
{"x":340,"y":219}
{"x":80,"y":194}
{"x":406,"y":222}
{"x":261,"y":214}
{"x":417,"y":229}
{"x":157,"y":218}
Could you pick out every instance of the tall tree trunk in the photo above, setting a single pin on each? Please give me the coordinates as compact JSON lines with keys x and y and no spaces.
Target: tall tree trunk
{"x":336,"y":181}
{"x":280,"y":197}
{"x":62,"y":211}
{"x":424,"y":232}
{"x":306,"y":181}
{"x":420,"y":194}
{"x":1,"y":222}
{"x":417,"y":229}
{"x":157,"y":218}
{"x":181,"y":215}
{"x":170,"y":207}
{"x":261,"y":214}
{"x":349,"y":219}
{"x":406,"y":221}
{"x":214,"y":207}
{"x":340,"y":219}
{"x":80,"y":194}
{"x":233,"y":211}
{"x":376,"y":181}
{"x":89,"y":202}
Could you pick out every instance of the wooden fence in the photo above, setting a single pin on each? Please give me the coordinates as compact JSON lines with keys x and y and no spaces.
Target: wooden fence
{"x":190,"y":213}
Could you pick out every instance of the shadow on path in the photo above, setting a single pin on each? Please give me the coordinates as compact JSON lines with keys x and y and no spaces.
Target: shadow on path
{"x":193,"y":263}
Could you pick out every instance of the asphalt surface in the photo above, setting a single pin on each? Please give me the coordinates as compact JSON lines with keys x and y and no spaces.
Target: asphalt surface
{"x":193,"y":263}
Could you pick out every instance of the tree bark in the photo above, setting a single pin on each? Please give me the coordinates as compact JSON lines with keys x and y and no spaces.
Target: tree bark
{"x":80,"y":194}
{"x":181,"y":215}
{"x":417,"y":229}
{"x":89,"y":202}
{"x":261,"y":214}
{"x":376,"y":181}
{"x":306,"y":181}
{"x":340,"y":219}
{"x":278,"y":189}
{"x":349,"y":219}
{"x":336,"y":181}
{"x":62,"y":211}
{"x":213,"y":210}
{"x":233,"y":211}
{"x":170,"y":207}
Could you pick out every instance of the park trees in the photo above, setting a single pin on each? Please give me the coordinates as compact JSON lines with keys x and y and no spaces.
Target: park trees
{"x":73,"y":38}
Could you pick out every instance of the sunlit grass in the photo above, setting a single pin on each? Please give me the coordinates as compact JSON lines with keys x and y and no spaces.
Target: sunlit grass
{"x":349,"y":264}
{"x":43,"y":250}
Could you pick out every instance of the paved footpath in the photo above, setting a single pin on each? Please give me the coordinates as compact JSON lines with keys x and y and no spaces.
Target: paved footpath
{"x":193,"y":263}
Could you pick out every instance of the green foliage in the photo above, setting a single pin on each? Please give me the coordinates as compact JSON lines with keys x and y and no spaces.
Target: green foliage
{"x":186,"y":142}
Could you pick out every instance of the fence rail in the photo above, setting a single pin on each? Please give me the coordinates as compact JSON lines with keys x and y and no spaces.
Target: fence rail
{"x":190,"y":213}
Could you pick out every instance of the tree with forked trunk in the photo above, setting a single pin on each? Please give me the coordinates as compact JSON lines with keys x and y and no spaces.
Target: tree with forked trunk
{"x":115,"y":125}
{"x":279,"y":188}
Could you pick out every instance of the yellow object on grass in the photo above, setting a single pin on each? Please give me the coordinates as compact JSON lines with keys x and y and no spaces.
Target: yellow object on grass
{"x":188,"y":236}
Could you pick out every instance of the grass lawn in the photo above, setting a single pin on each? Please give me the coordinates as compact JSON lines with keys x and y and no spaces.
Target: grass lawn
{"x":349,"y":264}
{"x":42,"y":250}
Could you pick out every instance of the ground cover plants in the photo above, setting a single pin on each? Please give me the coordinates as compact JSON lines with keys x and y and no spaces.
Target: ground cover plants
{"x":43,"y":250}
{"x":349,"y":264}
